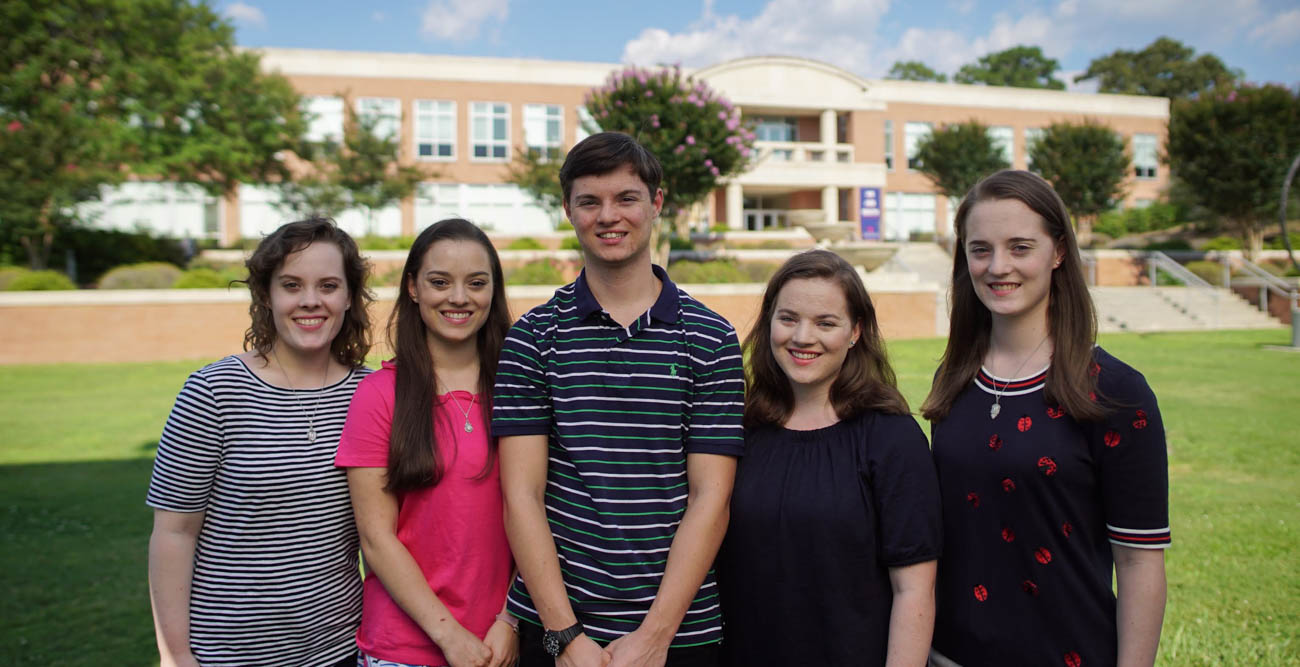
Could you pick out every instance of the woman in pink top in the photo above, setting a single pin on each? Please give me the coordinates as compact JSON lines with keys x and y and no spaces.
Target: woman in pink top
{"x":422,"y":468}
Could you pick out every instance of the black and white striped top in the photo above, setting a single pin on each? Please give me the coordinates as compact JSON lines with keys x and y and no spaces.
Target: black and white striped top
{"x":275,"y":569}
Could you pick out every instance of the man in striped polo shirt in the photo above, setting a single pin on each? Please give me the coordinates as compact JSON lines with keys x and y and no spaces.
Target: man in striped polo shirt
{"x":618,"y":407}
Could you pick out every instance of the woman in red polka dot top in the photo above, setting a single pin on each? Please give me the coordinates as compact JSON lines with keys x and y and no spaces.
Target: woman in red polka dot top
{"x":1050,"y":452}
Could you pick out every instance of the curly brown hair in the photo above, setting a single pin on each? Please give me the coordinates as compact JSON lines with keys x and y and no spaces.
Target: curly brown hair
{"x":352,"y":343}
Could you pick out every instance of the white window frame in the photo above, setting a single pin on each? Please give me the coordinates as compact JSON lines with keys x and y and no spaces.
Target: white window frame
{"x":497,"y":148}
{"x":586,"y":125}
{"x":1146,"y":156}
{"x":1031,"y":135}
{"x":913,"y":132}
{"x":790,"y":123}
{"x":537,"y":120}
{"x":889,"y":145}
{"x":1004,"y":137}
{"x":435,"y":127}
{"x":325,"y":118}
{"x":388,"y":114}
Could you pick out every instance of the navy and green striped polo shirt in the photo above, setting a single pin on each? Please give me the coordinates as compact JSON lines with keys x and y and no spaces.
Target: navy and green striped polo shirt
{"x":623,"y":407}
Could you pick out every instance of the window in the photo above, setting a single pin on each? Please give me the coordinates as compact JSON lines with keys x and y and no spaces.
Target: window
{"x":889,"y":145}
{"x":489,"y":130}
{"x":324,"y":118}
{"x":776,"y":129}
{"x":587,"y":125}
{"x":385,"y":113}
{"x":1004,"y":138}
{"x":435,"y":130}
{"x":913,"y":133}
{"x":1145,"y":160}
{"x":544,"y":129}
{"x":1032,"y":135}
{"x":908,"y":213}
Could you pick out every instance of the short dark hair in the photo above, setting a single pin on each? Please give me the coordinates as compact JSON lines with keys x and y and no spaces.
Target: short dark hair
{"x":352,"y":343}
{"x":604,"y":152}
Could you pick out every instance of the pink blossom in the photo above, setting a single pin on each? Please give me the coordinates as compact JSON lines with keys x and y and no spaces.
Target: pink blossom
{"x":680,"y":148}
{"x":708,"y":163}
{"x":618,"y":103}
{"x":745,"y":151}
{"x":722,"y":115}
{"x":690,"y":139}
{"x":1232,"y":96}
{"x":699,"y":103}
{"x":654,"y":120}
{"x":714,"y":171}
{"x":649,"y":93}
{"x":14,"y":125}
{"x":733,"y":123}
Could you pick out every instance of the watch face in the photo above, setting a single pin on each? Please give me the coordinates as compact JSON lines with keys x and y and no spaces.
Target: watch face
{"x":551,"y":643}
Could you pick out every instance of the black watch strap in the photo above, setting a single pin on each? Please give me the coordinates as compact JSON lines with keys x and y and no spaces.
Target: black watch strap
{"x":555,"y":641}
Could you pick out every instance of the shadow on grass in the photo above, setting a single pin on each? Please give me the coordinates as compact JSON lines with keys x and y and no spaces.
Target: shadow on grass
{"x":72,"y":566}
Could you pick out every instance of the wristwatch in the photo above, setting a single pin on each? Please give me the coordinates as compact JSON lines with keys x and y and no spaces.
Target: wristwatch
{"x":555,"y":641}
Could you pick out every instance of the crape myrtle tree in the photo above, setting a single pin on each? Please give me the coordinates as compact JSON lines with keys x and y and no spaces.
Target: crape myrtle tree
{"x":697,"y":134}
{"x":92,"y":91}
{"x":1086,"y":163}
{"x":1233,"y":147}
{"x":956,"y":156}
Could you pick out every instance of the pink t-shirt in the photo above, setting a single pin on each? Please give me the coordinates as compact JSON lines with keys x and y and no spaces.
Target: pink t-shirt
{"x":454,"y":530}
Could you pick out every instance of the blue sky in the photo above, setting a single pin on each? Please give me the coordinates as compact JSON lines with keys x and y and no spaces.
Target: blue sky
{"x":1261,"y":37}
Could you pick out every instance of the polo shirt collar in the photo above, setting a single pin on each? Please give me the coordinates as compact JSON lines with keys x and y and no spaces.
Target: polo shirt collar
{"x":666,"y":308}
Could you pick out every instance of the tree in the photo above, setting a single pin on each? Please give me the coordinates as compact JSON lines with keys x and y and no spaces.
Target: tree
{"x":697,"y":135}
{"x":1165,"y":68}
{"x":1087,"y":166}
{"x":1018,"y":66}
{"x":92,"y":91}
{"x":914,"y":70}
{"x":955,"y":157}
{"x":1233,"y":148}
{"x":539,"y":176}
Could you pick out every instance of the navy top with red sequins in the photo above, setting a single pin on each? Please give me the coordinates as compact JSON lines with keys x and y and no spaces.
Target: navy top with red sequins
{"x":1032,"y":502}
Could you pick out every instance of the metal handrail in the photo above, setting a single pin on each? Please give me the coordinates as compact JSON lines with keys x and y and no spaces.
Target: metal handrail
{"x":1273,"y":284}
{"x":1159,"y":260}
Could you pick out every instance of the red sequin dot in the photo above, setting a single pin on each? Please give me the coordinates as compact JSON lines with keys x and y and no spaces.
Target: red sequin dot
{"x":1111,"y":438}
{"x":1056,"y":412}
{"x":1092,"y":395}
{"x":1095,"y":369}
{"x":973,"y":498}
{"x":1008,"y":535}
{"x":1042,"y":555}
{"x":1029,"y":587}
{"x":1067,"y":528}
{"x":1141,"y":421}
{"x":1072,"y":659}
{"x":1008,"y":485}
{"x":1024,"y":423}
{"x":1047,"y":466}
{"x":995,"y":442}
{"x":981,"y":593}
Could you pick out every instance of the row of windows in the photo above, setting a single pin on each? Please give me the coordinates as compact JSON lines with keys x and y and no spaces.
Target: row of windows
{"x":1145,"y":159}
{"x":435,"y":126}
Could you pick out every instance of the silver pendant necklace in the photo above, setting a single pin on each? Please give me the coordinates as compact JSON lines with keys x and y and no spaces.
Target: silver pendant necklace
{"x":311,"y":418}
{"x":996,"y":408}
{"x":469,"y":428}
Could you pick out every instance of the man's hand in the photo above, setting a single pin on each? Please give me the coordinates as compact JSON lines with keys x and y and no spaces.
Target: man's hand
{"x":582,"y":652}
{"x":639,"y":648}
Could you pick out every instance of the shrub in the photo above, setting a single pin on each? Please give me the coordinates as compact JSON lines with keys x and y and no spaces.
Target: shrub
{"x":371,"y":242}
{"x":570,"y":243}
{"x":679,"y":243}
{"x":525,"y":243}
{"x":774,"y":244}
{"x":537,"y":272}
{"x":1210,"y":272}
{"x":40,"y":280}
{"x":759,"y":272}
{"x":389,"y":278}
{"x":146,"y":275}
{"x":1112,"y":224}
{"x":1222,"y":243}
{"x":202,"y":278}
{"x":98,"y":250}
{"x":10,"y":273}
{"x":1169,"y":244}
{"x":714,"y":271}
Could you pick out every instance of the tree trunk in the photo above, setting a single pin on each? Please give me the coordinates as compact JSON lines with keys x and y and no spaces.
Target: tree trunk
{"x":1253,"y":237}
{"x":1083,"y":230}
{"x":38,"y":258}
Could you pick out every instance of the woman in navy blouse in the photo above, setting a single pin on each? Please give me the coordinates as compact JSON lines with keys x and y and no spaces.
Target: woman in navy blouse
{"x":830,"y":554}
{"x":1050,"y":452}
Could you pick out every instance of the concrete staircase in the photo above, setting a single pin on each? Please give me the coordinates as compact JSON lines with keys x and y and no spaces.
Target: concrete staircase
{"x":1174,"y":309}
{"x":928,"y":261}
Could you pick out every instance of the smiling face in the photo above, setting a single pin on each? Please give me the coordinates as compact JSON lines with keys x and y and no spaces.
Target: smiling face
{"x":811,"y":334}
{"x":309,"y":299}
{"x":1011,"y":258}
{"x":613,"y":214}
{"x":454,"y":291}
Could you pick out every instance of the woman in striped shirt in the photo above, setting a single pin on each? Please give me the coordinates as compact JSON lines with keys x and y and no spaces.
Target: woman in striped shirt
{"x":253,"y":557}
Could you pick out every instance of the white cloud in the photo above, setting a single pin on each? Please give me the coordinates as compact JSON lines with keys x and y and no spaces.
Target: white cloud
{"x":833,"y":31}
{"x":378,"y":17}
{"x":460,"y":20}
{"x":247,"y":15}
{"x":1281,"y":30}
{"x":947,"y":50}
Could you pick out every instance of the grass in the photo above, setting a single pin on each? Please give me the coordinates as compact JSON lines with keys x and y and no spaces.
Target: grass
{"x":75,"y":461}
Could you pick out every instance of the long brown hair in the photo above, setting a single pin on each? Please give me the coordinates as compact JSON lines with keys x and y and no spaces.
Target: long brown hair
{"x":413,"y":461}
{"x":1071,"y":318}
{"x":865,"y":381}
{"x":352,"y":343}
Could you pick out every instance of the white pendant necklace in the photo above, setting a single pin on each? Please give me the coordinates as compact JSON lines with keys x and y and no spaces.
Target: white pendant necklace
{"x":996,"y":408}
{"x":311,"y":418}
{"x":469,"y":428}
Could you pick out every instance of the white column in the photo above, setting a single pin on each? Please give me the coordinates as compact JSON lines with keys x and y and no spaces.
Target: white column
{"x":831,"y":204}
{"x":829,"y":135}
{"x":735,"y":206}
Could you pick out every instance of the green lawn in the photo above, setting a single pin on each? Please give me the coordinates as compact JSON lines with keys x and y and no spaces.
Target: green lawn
{"x":77,"y":439}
